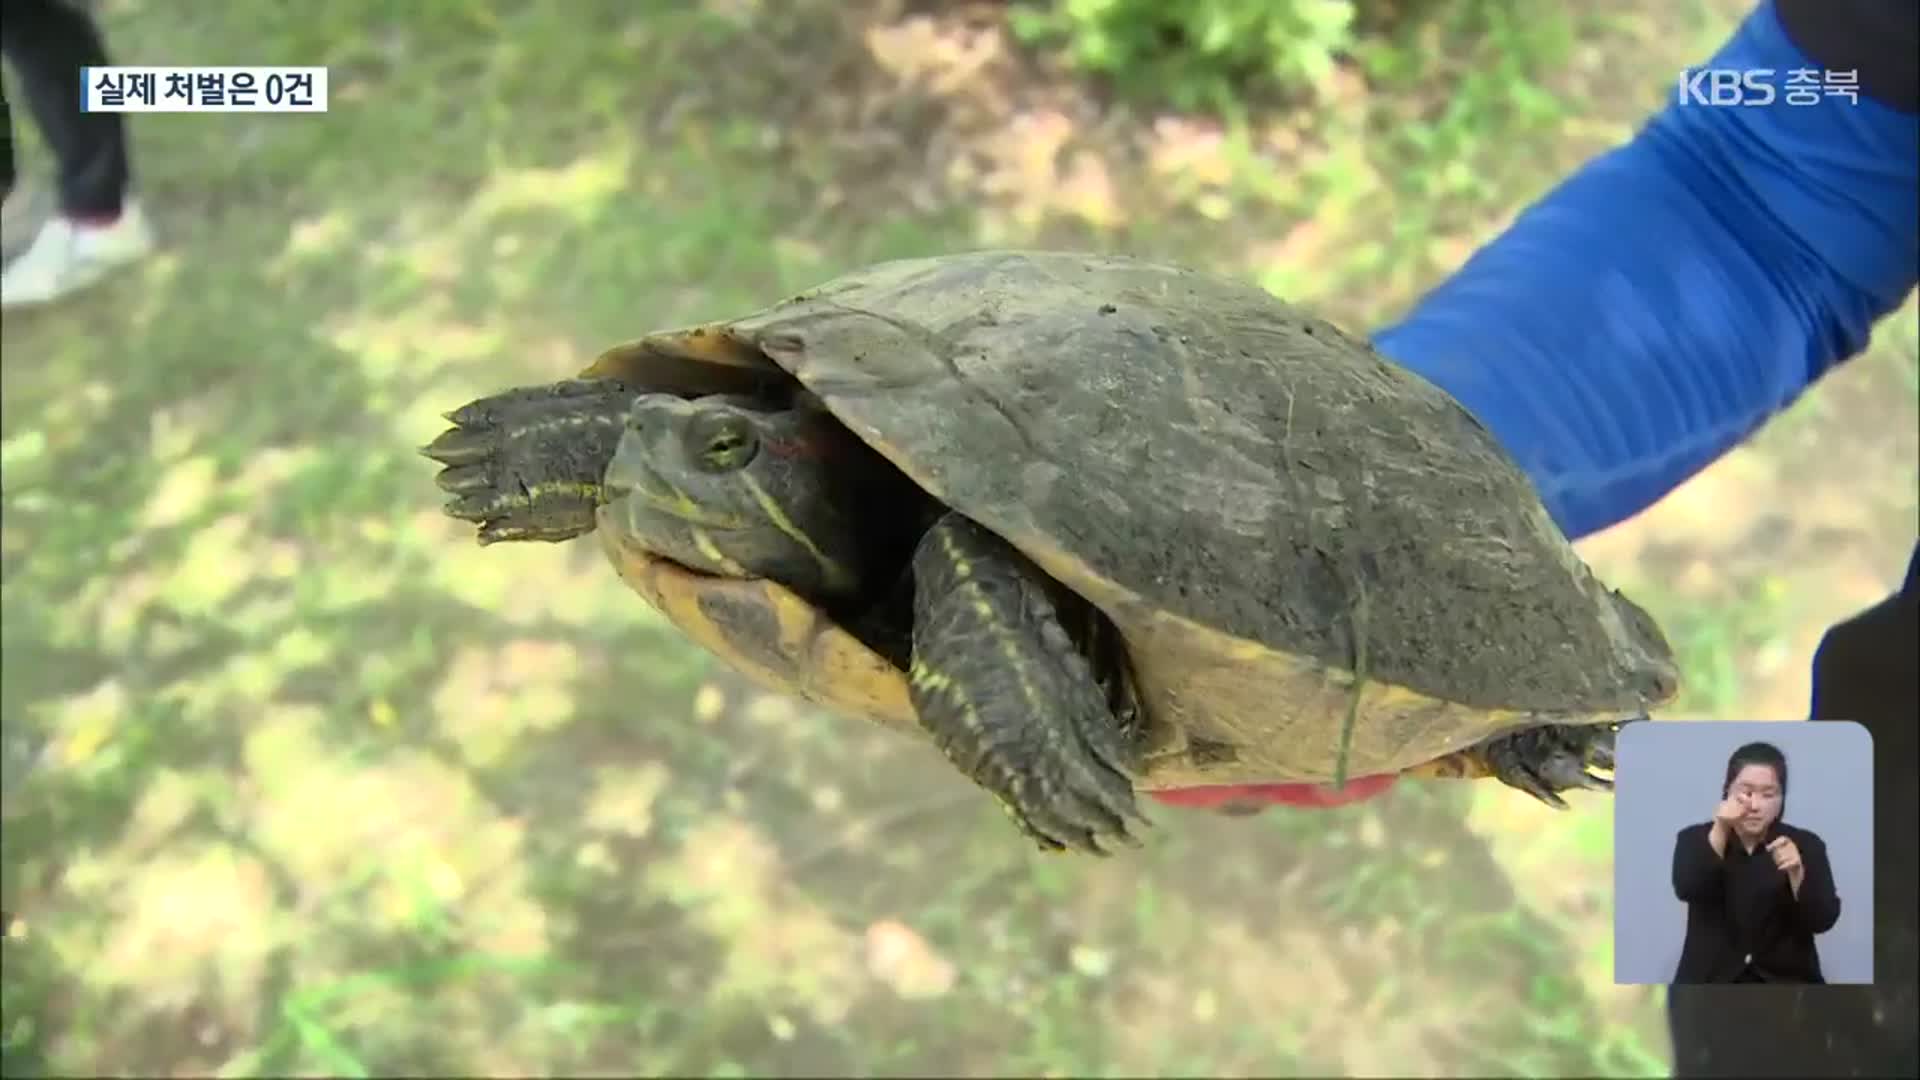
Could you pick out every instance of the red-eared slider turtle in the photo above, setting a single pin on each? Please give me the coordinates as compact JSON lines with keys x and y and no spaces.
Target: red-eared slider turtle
{"x":1089,"y":523}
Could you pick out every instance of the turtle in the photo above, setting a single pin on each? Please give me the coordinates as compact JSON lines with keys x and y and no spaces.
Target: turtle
{"x":1094,"y":525}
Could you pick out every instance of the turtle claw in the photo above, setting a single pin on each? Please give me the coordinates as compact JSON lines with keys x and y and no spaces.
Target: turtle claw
{"x":484,"y":505}
{"x":1545,"y":761}
{"x":1091,"y":801}
{"x":1566,"y":767}
{"x":525,"y":464}
{"x":1546,"y":795}
{"x":1565,"y":774}
{"x":459,"y":446}
{"x":495,"y":532}
{"x":1072,"y":816}
{"x":464,"y":479}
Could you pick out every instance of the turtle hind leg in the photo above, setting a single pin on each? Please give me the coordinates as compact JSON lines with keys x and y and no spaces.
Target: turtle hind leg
{"x":525,"y":464}
{"x":998,"y":683}
{"x":1545,"y":761}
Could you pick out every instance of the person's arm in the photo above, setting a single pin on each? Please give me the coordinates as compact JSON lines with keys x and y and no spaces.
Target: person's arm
{"x":1698,"y":872}
{"x":1653,"y":310}
{"x":1817,"y":902}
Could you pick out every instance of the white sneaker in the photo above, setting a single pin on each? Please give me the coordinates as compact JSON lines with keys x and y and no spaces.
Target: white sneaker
{"x":66,"y":257}
{"x":20,"y":214}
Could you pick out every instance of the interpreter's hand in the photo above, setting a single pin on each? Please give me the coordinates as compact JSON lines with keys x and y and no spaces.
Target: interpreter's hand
{"x":1787,"y":857}
{"x":1728,"y":814}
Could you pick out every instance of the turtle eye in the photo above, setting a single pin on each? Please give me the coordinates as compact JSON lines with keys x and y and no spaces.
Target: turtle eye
{"x":722,"y":442}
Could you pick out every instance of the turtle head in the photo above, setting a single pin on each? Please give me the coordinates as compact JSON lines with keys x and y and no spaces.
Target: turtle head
{"x":736,"y":487}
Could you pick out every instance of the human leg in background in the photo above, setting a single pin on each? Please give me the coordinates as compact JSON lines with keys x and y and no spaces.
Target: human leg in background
{"x":98,"y":226}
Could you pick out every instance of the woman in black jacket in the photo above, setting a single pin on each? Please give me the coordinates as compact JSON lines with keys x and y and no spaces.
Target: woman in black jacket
{"x":1757,"y":890}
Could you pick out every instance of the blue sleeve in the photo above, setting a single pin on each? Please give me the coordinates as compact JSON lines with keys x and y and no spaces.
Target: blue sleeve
{"x":1660,"y":304}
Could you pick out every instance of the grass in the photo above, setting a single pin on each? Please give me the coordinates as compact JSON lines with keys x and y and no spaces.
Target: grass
{"x":300,"y":781}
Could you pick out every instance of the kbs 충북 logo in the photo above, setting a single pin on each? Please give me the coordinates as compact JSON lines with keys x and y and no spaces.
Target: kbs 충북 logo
{"x":1763,"y":86}
{"x":203,"y":89}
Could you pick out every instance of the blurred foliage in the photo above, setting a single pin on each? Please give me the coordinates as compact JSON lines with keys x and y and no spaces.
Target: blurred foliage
{"x":1220,"y":55}
{"x":1198,"y":54}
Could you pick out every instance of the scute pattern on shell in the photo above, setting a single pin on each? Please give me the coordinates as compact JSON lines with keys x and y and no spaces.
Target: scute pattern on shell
{"x":1257,"y":499}
{"x":1227,"y":455}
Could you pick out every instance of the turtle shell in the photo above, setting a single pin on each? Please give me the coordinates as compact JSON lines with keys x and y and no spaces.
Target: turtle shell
{"x":1283,"y":524}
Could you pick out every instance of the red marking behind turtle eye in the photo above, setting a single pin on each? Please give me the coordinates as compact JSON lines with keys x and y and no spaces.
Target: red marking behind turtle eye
{"x":798,"y":448}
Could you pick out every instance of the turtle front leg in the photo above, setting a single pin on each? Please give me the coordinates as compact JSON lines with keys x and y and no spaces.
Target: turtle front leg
{"x":1545,"y":761}
{"x":1012,"y":703}
{"x":526,"y":464}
